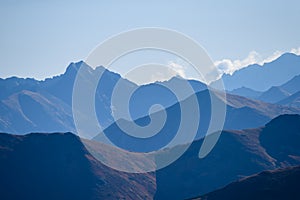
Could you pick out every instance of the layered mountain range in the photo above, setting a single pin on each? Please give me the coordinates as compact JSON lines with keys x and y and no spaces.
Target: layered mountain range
{"x":276,"y":82}
{"x":28,"y":105}
{"x":263,"y":77}
{"x":284,"y":94}
{"x":261,"y":132}
{"x":47,"y":166}
{"x":237,"y":154}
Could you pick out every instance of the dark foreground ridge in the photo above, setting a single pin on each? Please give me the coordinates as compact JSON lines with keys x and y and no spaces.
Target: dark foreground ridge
{"x":57,"y":166}
{"x":236,"y":155}
{"x":268,"y":185}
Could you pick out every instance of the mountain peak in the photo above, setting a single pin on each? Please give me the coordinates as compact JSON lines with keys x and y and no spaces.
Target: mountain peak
{"x":261,"y":78}
{"x":75,"y":66}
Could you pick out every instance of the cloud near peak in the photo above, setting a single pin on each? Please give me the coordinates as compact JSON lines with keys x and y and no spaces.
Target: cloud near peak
{"x":228,"y":66}
{"x":181,"y":68}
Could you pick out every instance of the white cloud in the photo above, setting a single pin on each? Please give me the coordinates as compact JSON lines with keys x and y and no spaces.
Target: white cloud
{"x":177,"y":69}
{"x":296,"y":51}
{"x":151,"y":73}
{"x":274,"y":56}
{"x":228,"y":66}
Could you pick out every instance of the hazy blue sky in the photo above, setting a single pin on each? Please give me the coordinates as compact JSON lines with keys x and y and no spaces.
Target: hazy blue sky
{"x":39,"y":39}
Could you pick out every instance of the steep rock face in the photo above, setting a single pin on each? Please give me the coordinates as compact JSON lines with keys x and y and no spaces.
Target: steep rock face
{"x":237,"y":154}
{"x":58,"y":166}
{"x":268,"y":185}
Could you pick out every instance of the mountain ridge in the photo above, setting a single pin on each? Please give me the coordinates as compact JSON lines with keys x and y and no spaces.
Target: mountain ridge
{"x":261,"y":78}
{"x":40,"y":158}
{"x":236,"y":155}
{"x":58,"y":166}
{"x":60,"y":88}
{"x":273,"y":184}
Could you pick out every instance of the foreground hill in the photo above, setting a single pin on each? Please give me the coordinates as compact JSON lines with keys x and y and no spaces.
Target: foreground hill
{"x":268,"y":185}
{"x":237,"y":154}
{"x":57,"y":166}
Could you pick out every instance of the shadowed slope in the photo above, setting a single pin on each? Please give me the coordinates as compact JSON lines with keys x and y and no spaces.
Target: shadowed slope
{"x":268,"y":185}
{"x":57,"y":166}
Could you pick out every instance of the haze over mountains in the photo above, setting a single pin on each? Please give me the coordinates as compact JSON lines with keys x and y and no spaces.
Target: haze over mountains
{"x":261,"y":132}
{"x":262,"y":78}
{"x":28,"y":105}
{"x":274,"y":94}
{"x":241,"y":113}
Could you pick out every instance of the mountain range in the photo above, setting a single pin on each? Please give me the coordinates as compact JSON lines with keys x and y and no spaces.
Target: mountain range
{"x":275,"y":94}
{"x":241,"y":113}
{"x":261,"y":132}
{"x":237,"y":154}
{"x":28,"y":105}
{"x":47,"y":166}
{"x":261,"y":78}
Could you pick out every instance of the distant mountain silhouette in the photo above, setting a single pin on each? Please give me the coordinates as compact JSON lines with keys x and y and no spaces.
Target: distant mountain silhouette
{"x":24,"y":101}
{"x":292,"y":86}
{"x":275,"y":94}
{"x":246,"y":92}
{"x":241,"y":113}
{"x":278,"y":93}
{"x":237,"y":154}
{"x":20,"y":116}
{"x":261,"y":78}
{"x":293,"y":100}
{"x":268,"y":185}
{"x":58,"y":166}
{"x":28,"y":105}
